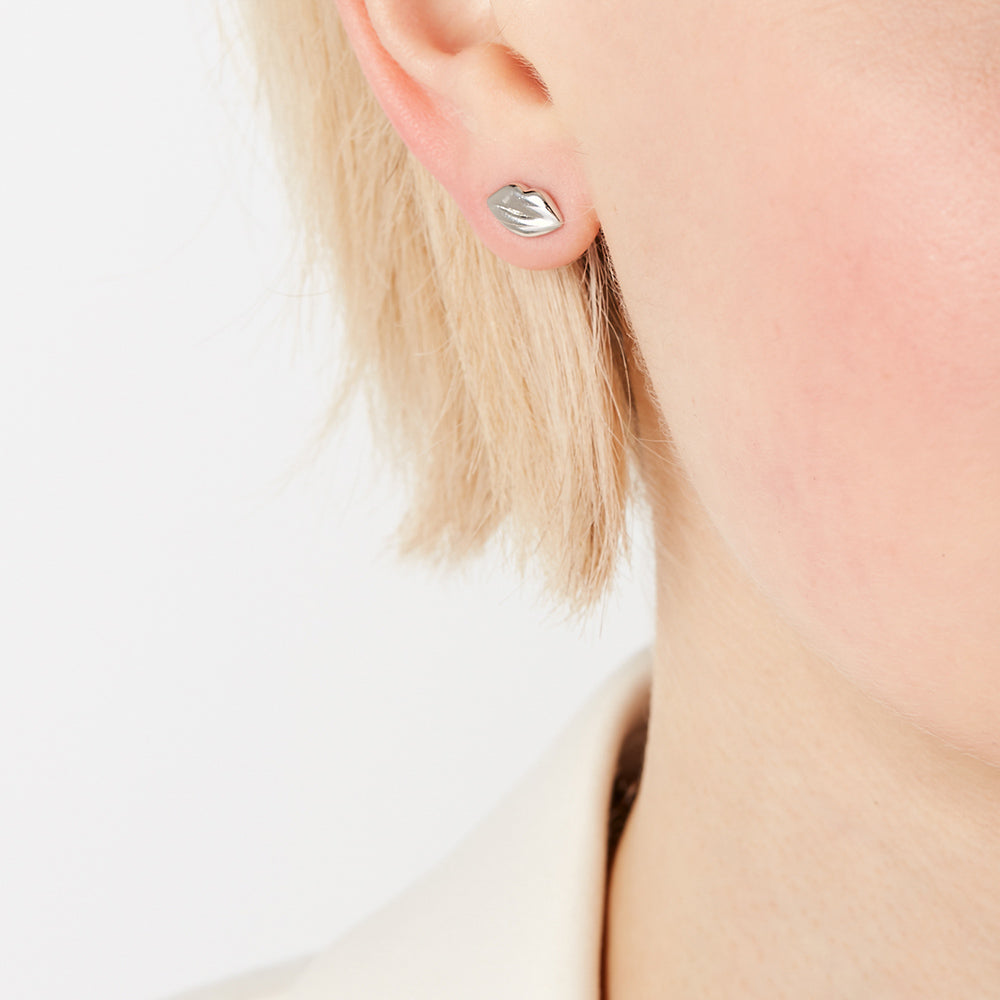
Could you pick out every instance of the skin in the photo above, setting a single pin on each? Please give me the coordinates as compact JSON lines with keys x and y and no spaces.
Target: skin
{"x":802,"y":201}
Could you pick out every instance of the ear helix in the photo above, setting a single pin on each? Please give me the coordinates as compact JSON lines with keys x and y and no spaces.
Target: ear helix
{"x":524,"y":211}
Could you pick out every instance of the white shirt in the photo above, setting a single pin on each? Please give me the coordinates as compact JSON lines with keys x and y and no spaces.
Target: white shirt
{"x":517,"y":909}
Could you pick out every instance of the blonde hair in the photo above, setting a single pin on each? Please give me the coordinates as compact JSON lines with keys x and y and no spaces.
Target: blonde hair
{"x":502,"y":391}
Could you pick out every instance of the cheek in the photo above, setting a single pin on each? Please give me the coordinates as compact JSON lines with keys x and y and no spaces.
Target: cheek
{"x":859,"y":429}
{"x":834,"y":392}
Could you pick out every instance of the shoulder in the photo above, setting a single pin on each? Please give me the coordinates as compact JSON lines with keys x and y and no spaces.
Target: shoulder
{"x":269,"y":983}
{"x":516,"y":908}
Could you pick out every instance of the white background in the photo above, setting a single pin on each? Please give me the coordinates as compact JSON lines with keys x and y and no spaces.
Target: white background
{"x":231,"y":724}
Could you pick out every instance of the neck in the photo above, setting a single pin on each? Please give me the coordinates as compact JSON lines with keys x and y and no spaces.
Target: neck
{"x":792,"y":837}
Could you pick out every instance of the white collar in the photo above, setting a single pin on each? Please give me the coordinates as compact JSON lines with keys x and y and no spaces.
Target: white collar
{"x":517,"y":909}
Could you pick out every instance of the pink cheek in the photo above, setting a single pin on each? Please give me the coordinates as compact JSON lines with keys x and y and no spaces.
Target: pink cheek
{"x":860,"y":441}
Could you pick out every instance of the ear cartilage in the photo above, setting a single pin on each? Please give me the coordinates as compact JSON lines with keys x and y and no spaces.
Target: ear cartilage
{"x":525,"y":212}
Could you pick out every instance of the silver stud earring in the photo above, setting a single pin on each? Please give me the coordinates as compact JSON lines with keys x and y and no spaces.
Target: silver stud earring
{"x":525,"y":212}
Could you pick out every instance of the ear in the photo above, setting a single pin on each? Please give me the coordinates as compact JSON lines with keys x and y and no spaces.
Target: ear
{"x":476,"y":114}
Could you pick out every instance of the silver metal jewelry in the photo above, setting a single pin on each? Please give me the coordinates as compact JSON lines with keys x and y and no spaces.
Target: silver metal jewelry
{"x":525,"y":212}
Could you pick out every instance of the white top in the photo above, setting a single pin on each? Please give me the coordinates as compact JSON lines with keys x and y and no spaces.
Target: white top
{"x":517,"y":909}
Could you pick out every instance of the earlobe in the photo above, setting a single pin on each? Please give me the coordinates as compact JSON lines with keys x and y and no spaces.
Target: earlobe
{"x":479,"y":117}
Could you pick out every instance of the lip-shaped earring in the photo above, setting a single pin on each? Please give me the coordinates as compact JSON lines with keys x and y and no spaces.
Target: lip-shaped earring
{"x":524,"y":211}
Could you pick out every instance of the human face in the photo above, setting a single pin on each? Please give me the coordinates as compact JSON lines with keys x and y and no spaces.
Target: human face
{"x":802,"y":200}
